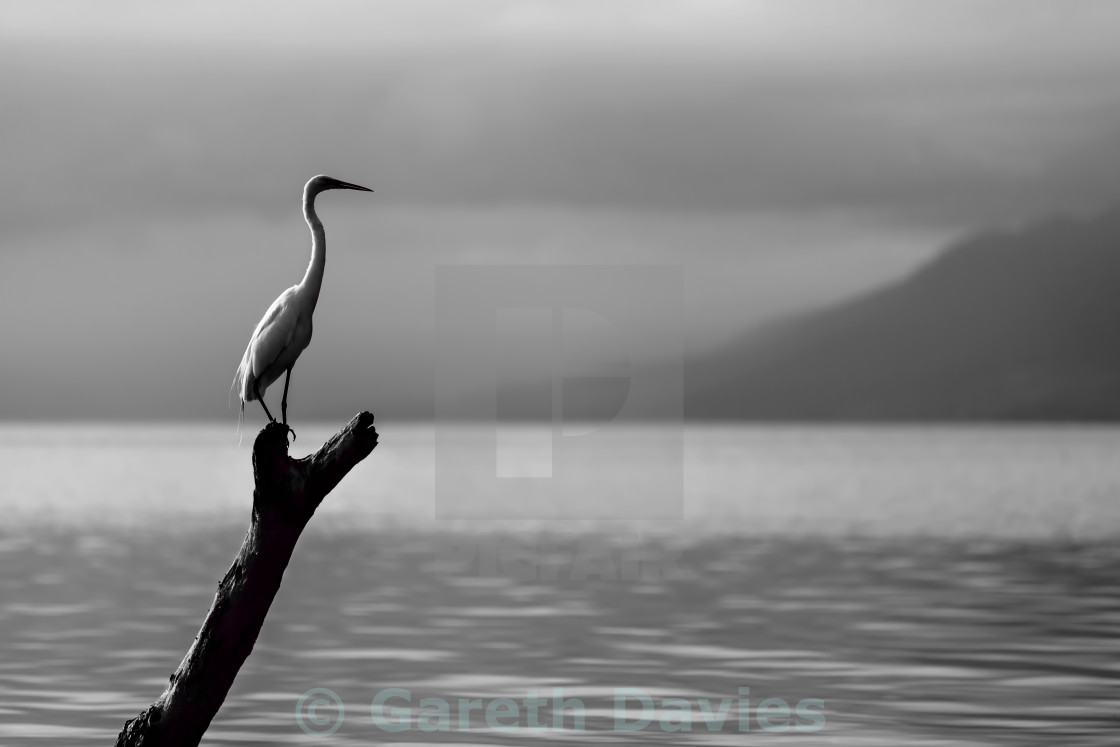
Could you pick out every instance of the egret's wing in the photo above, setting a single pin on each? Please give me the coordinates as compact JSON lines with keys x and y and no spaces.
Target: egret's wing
{"x":274,"y":332}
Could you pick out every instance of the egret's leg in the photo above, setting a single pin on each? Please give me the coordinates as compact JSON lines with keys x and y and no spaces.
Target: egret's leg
{"x":284,"y":399}
{"x":257,"y":391}
{"x":284,"y":403}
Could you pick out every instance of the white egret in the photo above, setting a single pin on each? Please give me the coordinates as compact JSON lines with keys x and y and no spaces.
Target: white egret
{"x":285,"y":330}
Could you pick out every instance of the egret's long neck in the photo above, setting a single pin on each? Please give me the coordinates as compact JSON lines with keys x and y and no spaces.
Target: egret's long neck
{"x":313,"y":278}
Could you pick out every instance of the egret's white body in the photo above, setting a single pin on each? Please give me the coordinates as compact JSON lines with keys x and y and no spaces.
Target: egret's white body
{"x":285,"y":330}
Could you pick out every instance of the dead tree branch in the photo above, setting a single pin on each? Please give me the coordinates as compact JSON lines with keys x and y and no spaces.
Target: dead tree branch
{"x":286,"y":495}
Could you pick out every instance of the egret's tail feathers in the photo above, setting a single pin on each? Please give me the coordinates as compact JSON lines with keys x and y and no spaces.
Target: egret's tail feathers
{"x":240,"y":416}
{"x":238,"y":384}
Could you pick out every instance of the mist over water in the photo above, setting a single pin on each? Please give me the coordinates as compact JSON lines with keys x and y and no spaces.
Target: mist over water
{"x":1032,"y":483}
{"x":929,"y":585}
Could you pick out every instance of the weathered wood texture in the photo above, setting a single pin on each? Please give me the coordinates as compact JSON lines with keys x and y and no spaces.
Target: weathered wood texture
{"x":286,"y":495}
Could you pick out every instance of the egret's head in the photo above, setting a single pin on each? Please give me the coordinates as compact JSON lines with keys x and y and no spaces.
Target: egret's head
{"x":322,"y":183}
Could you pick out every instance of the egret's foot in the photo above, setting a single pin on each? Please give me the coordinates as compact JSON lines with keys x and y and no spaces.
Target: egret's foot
{"x":275,"y":434}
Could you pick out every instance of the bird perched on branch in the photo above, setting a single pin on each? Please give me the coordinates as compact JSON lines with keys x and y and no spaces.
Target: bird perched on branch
{"x":285,"y":330}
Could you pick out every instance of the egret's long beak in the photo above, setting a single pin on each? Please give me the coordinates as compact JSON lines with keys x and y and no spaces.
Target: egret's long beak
{"x":347,"y":185}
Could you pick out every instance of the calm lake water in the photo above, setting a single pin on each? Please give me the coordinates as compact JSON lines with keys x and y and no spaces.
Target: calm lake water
{"x":886,"y":585}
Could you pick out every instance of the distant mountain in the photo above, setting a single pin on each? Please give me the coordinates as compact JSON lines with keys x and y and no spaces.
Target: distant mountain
{"x":1016,"y":325}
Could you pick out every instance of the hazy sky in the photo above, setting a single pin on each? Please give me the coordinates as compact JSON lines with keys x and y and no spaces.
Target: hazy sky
{"x":786,"y":153}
